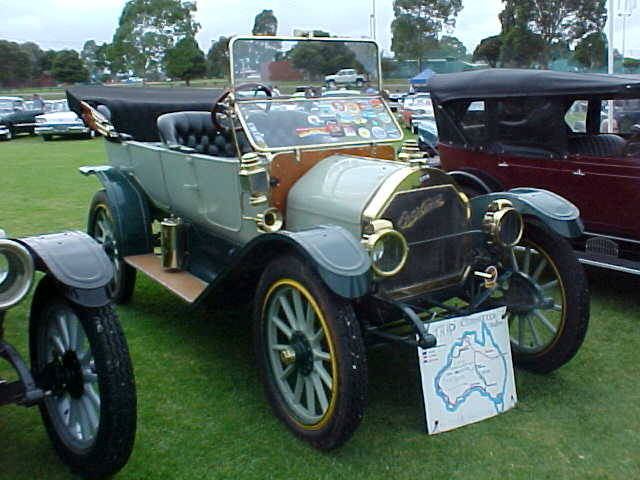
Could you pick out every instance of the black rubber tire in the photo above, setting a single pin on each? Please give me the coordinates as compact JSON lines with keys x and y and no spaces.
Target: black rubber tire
{"x":339,"y":424}
{"x":575,"y":318}
{"x":46,"y":138}
{"x":125,"y":279}
{"x":113,"y":443}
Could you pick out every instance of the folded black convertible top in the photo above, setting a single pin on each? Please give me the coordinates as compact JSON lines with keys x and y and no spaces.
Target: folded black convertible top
{"x":500,"y":83}
{"x":134,"y":110}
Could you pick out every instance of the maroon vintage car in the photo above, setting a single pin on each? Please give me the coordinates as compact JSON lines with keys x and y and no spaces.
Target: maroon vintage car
{"x":501,"y":129}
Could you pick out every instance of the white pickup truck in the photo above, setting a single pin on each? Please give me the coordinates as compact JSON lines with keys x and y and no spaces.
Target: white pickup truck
{"x":346,"y":76}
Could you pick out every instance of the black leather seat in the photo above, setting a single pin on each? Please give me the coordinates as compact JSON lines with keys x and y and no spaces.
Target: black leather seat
{"x":604,"y":145}
{"x":195,"y":130}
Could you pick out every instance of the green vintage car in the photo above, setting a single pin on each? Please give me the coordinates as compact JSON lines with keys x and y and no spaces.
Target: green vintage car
{"x":301,"y":207}
{"x":17,"y":116}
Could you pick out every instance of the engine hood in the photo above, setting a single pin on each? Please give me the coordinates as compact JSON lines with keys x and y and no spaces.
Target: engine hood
{"x":339,"y":189}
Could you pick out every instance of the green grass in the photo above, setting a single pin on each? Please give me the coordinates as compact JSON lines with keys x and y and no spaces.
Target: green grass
{"x":202,"y":413}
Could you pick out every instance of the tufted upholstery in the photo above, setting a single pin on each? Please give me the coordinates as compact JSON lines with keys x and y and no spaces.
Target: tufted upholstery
{"x":196,"y":130}
{"x":605,"y":145}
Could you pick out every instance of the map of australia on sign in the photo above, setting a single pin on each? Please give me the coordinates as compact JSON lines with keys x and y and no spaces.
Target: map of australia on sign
{"x":474,"y":364}
{"x":468,"y":376}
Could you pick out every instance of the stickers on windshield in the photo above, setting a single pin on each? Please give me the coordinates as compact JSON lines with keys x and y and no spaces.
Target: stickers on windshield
{"x":364,"y":132}
{"x":335,"y":130}
{"x":338,"y":106}
{"x":314,"y":120}
{"x":349,"y":131}
{"x":305,"y":132}
{"x":352,"y":107}
{"x":385,"y":118}
{"x":378,"y":132}
{"x":345,"y":118}
{"x":360,"y":121}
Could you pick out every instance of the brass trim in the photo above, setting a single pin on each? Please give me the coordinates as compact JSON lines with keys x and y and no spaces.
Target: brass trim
{"x":370,"y":242}
{"x":430,"y":285}
{"x":399,"y":179}
{"x":493,"y":218}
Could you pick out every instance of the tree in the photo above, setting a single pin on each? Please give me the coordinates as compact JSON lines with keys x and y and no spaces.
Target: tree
{"x":591,"y":51}
{"x":265,"y":23}
{"x":489,"y":50}
{"x":556,"y":20}
{"x":322,"y":58}
{"x":15,"y":66}
{"x":146,"y":31}
{"x":35,"y":54}
{"x":452,"y":47}
{"x":46,"y":61}
{"x":68,"y":67}
{"x":218,"y":58}
{"x":418,"y":23}
{"x":185,"y":60}
{"x":89,"y":57}
{"x":521,"y":48}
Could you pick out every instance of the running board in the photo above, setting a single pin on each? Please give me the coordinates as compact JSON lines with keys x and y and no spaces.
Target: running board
{"x":183,"y":284}
{"x":611,"y":263}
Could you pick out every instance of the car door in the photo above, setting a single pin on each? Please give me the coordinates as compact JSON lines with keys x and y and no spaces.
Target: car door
{"x":204,"y":189}
{"x":607,"y":191}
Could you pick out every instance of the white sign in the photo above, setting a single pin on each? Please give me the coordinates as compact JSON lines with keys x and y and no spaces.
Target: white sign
{"x":468,"y":376}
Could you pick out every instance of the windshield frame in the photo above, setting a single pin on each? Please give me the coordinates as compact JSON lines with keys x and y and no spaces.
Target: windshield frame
{"x":278,"y":38}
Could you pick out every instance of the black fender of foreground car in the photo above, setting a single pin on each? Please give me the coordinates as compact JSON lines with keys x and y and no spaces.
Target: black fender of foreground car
{"x":558,"y":214}
{"x":80,"y":267}
{"x":339,"y":259}
{"x":129,"y":207}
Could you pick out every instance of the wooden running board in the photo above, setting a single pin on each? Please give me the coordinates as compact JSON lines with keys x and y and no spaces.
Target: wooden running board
{"x":183,"y":284}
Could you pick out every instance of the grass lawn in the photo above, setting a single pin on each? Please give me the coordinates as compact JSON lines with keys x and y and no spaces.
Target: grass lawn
{"x":202,"y":413}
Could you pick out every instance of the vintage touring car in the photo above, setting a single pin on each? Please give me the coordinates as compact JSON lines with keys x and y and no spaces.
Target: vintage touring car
{"x":502,"y":129}
{"x":300,"y":206}
{"x":81,"y":375}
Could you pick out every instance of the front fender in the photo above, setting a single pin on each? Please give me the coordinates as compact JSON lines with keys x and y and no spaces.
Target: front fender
{"x":79,"y":265}
{"x":557,"y":213}
{"x":130,"y":209}
{"x":339,"y":259}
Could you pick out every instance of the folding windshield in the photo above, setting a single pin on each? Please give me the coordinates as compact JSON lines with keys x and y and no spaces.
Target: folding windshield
{"x":293,"y":65}
{"x":294,"y":93}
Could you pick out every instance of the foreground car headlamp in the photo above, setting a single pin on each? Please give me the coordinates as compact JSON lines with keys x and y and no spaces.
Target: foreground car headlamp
{"x":503,"y":223}
{"x":388,"y":249}
{"x":16,"y":273}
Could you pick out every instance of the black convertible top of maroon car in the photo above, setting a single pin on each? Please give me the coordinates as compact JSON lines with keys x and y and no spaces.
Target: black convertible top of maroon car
{"x":500,"y":83}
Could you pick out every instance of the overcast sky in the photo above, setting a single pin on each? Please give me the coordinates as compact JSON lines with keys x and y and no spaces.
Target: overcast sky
{"x":62,"y":24}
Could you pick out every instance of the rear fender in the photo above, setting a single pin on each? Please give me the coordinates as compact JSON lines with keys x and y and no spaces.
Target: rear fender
{"x":80,"y":267}
{"x":557,"y":213}
{"x":130,"y":209}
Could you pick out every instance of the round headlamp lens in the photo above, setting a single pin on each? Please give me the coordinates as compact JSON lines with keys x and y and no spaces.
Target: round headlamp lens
{"x":4,"y":268}
{"x":389,"y":253}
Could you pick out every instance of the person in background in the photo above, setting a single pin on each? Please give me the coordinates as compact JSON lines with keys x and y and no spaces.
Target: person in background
{"x":37,"y":101}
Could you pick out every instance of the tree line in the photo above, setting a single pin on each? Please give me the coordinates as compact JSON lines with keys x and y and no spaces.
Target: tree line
{"x":156,"y":38}
{"x":534,"y":34}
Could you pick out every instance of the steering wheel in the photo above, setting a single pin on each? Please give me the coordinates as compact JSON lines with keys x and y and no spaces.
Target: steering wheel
{"x":219,"y":107}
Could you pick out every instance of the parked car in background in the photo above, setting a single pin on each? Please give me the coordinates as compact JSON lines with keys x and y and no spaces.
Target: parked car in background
{"x":18,"y":115}
{"x":501,"y":129}
{"x":60,"y":121}
{"x":80,"y":374}
{"x":300,"y":207}
{"x":346,"y":76}
{"x":5,"y":133}
{"x":415,"y":106}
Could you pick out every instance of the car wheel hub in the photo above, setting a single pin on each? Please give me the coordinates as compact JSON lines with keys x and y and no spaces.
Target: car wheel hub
{"x":523,"y":294}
